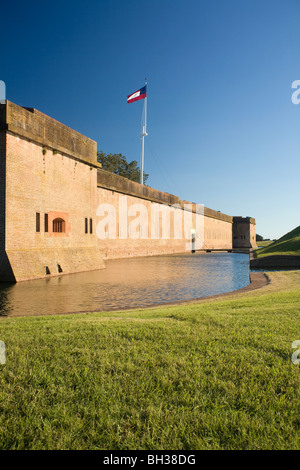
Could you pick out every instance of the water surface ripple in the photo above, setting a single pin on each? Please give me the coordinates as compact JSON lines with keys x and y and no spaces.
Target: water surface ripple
{"x":134,"y":282}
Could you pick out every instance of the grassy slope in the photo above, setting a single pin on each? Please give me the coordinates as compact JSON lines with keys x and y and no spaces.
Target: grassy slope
{"x":264,"y":243}
{"x":289,"y":244}
{"x":210,"y":375}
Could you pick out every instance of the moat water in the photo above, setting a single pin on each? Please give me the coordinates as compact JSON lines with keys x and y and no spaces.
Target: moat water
{"x":128,"y":283}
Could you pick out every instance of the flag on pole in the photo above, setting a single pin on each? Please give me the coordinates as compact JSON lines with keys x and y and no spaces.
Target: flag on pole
{"x":137,"y":95}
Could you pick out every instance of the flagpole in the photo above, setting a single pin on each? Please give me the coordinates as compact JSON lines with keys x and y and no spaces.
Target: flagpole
{"x":144,"y":134}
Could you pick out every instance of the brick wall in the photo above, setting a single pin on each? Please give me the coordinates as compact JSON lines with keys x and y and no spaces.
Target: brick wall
{"x":212,"y":233}
{"x":244,"y":232}
{"x":40,"y":128}
{"x":2,"y":188}
{"x":48,"y":183}
{"x":48,"y":169}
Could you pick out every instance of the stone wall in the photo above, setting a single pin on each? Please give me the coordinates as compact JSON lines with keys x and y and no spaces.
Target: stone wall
{"x":49,"y":175}
{"x":217,"y":227}
{"x":2,"y":188}
{"x":42,"y":179}
{"x":244,"y":232}
{"x":6,"y":272}
{"x":50,"y":183}
{"x":121,"y":245}
{"x":46,"y":131}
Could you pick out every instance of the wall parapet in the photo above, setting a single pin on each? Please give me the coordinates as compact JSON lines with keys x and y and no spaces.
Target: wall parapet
{"x":113,"y":182}
{"x":35,"y":126}
{"x":244,"y":220}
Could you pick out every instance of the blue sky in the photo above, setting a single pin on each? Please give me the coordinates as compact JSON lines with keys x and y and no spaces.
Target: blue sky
{"x":222,"y":128}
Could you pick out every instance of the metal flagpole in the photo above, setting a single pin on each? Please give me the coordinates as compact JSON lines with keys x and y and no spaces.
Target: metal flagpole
{"x":144,"y":134}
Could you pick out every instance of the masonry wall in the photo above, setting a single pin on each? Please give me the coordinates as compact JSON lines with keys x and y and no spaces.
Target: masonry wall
{"x":118,"y":245}
{"x":244,"y":232}
{"x":217,"y":234}
{"x":2,"y":188}
{"x":50,"y":184}
{"x":48,"y":169}
{"x":46,"y":131}
{"x":45,"y":168}
{"x":214,"y":229}
{"x":5,"y":268}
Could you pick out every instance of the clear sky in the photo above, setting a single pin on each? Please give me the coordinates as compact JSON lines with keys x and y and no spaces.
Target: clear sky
{"x":223,"y":130}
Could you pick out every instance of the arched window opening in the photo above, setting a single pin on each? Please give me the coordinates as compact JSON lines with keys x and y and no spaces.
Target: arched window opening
{"x":59,"y":225}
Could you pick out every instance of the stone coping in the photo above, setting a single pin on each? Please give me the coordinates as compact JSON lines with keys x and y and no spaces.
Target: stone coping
{"x":113,"y":182}
{"x":31,"y":124}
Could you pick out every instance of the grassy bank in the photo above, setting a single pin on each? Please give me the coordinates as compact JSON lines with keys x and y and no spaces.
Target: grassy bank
{"x":289,"y":244}
{"x":264,"y":243}
{"x":210,"y":375}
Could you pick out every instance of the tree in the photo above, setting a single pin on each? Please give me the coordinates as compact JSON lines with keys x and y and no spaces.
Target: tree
{"x":259,"y":238}
{"x":117,"y":163}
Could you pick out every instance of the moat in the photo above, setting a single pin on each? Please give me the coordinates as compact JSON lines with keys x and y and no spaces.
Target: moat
{"x":128,"y":283}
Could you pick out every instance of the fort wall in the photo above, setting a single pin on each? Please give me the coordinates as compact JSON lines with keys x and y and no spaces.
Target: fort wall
{"x":50,"y":173}
{"x":217,"y":227}
{"x":244,"y":232}
{"x":46,"y":131}
{"x":6,"y":272}
{"x":53,"y":201}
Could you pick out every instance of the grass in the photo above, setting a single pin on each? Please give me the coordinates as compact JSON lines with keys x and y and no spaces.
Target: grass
{"x":264,"y":243}
{"x":289,"y":244}
{"x":209,"y":375}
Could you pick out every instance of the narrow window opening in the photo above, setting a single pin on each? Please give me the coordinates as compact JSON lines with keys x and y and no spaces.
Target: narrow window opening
{"x":59,"y":268}
{"x":86,"y":225}
{"x":91,"y":225}
{"x":46,"y":222}
{"x":59,"y":225}
{"x":47,"y":270}
{"x":37,"y":222}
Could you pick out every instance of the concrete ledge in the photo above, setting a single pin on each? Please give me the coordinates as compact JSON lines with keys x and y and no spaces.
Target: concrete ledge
{"x":275,"y":261}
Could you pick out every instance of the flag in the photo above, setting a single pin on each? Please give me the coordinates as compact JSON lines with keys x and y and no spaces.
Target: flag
{"x":137,"y":95}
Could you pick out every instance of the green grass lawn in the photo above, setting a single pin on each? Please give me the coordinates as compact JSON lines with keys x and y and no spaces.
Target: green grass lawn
{"x":209,"y":375}
{"x":289,"y":244}
{"x":264,"y":243}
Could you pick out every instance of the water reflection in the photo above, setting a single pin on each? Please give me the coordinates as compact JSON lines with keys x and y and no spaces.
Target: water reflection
{"x":135,"y":282}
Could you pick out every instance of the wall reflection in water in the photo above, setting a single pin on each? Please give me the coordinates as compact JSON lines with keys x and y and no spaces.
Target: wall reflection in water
{"x":135,"y":282}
